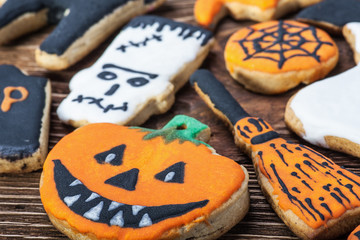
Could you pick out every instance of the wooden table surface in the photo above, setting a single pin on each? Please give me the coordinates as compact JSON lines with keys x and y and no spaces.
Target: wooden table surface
{"x":21,"y":213}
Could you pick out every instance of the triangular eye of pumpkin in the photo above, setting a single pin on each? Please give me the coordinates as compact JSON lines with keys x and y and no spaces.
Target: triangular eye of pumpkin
{"x":113,"y":156}
{"x":173,"y":174}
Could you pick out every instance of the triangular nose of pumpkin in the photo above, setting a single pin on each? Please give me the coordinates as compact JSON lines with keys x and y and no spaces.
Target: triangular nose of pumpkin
{"x":126,"y":180}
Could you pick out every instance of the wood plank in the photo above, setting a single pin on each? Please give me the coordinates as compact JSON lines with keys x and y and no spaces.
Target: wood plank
{"x":21,"y":213}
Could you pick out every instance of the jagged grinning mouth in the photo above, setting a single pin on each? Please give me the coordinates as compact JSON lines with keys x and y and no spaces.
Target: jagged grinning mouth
{"x":94,"y":207}
{"x":97,"y":102}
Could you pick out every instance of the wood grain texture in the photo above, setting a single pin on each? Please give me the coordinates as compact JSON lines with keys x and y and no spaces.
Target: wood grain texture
{"x":21,"y":213}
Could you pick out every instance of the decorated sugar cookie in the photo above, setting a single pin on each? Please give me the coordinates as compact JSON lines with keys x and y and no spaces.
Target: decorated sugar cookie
{"x":105,"y":181}
{"x":138,"y":74}
{"x":24,"y":120}
{"x":209,"y":12}
{"x":84,"y":24}
{"x":355,"y":235}
{"x":351,"y":33}
{"x":315,"y":198}
{"x":273,"y":57}
{"x":331,"y":14}
{"x":325,"y":113}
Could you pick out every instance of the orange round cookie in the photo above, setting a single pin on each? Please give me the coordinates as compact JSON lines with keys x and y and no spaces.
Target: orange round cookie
{"x":275,"y":56}
{"x":105,"y":181}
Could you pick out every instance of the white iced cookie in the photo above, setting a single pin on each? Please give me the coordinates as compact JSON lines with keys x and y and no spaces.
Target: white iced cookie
{"x":327,"y":113}
{"x":138,"y":75}
{"x":351,"y":33}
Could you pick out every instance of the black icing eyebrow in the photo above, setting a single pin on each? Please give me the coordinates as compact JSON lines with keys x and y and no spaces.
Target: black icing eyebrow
{"x":187,"y":30}
{"x":150,"y":75}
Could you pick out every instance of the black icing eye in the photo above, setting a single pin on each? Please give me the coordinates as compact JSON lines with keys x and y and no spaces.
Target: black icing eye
{"x":173,"y":174}
{"x":108,"y":76}
{"x":114,"y":156}
{"x":137,"y":82}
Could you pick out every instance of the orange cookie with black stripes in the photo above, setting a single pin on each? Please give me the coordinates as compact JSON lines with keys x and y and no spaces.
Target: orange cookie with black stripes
{"x":273,"y":57}
{"x":105,"y":181}
{"x":24,"y":120}
{"x":315,"y":198}
{"x":355,"y":235}
{"x":209,"y":12}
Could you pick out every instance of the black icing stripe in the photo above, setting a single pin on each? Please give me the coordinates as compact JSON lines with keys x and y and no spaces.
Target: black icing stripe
{"x":336,"y":12}
{"x":265,"y":137}
{"x":20,"y":126}
{"x":187,"y":30}
{"x":13,"y":9}
{"x":218,"y":95}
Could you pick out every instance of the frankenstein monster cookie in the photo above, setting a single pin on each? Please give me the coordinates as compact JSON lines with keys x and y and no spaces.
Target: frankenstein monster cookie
{"x":326,"y":113}
{"x":315,"y":198}
{"x":106,"y":181}
{"x":209,"y":12}
{"x":24,"y":120}
{"x":84,"y":24}
{"x":138,"y":75}
{"x":273,"y":57}
{"x":331,"y":14}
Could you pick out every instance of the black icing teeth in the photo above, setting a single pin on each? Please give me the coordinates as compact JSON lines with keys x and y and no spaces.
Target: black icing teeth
{"x":94,"y":207}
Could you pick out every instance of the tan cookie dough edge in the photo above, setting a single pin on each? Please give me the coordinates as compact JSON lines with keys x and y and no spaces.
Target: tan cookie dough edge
{"x":35,"y":161}
{"x":98,"y":33}
{"x":350,"y":38}
{"x":333,"y":142}
{"x":162,"y":103}
{"x":22,"y":25}
{"x":267,"y":83}
{"x":207,"y":227}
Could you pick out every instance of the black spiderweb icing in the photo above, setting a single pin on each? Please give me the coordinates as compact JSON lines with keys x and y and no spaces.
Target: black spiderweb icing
{"x":276,"y":43}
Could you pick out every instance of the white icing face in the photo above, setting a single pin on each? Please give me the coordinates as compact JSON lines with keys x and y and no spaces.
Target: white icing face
{"x":354,"y":27}
{"x":330,"y":108}
{"x":135,"y":69}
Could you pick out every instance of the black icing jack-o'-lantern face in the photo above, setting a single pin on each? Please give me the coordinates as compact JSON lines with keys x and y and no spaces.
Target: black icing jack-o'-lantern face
{"x":118,"y":181}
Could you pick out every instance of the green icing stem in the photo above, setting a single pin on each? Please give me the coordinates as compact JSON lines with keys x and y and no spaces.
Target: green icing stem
{"x":180,"y":127}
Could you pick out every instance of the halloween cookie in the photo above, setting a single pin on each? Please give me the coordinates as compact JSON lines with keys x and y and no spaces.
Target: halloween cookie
{"x":315,"y":198}
{"x":331,"y":14}
{"x":138,"y":75}
{"x":209,"y":12}
{"x":351,"y":33}
{"x":24,"y":120}
{"x":273,"y":57}
{"x":84,"y":24}
{"x":325,"y":113}
{"x":355,"y":235}
{"x":106,"y":181}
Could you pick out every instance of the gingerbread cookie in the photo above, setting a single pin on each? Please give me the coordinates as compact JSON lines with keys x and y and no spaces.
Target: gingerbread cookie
{"x":324,"y":113}
{"x":315,"y":198}
{"x":331,"y":15}
{"x":273,"y":57}
{"x":209,"y":12}
{"x":355,"y":235}
{"x":24,"y":120}
{"x":351,"y":33}
{"x":106,"y":181}
{"x":138,"y":75}
{"x":84,"y":24}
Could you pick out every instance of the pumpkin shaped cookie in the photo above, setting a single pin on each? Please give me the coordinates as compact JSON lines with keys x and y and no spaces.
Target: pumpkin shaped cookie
{"x":273,"y":57}
{"x":105,"y":181}
{"x":315,"y":197}
{"x":209,"y":12}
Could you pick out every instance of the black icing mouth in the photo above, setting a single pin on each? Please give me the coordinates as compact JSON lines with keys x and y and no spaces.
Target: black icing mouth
{"x":94,"y":207}
{"x":98,"y":103}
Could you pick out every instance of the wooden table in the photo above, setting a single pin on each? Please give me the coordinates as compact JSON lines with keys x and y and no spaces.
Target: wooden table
{"x":21,"y":213}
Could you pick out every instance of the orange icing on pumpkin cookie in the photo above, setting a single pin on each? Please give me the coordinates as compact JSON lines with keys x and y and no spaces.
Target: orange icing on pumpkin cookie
{"x":206,"y":10}
{"x":307,"y":183}
{"x":355,"y":235}
{"x":132,"y":173}
{"x":279,"y":46}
